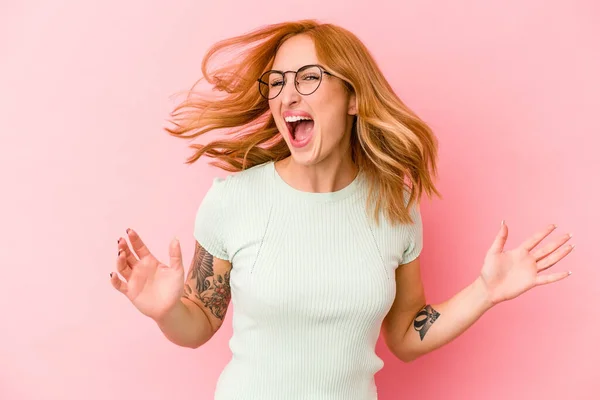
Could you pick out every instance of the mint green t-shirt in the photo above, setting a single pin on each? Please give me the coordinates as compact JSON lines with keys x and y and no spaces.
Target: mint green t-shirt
{"x":312,"y":280}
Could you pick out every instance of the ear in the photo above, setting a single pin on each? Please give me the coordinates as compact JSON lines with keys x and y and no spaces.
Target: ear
{"x":352,"y":106}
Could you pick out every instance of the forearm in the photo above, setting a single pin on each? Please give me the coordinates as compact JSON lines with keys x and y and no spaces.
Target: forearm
{"x":437,"y":324}
{"x":186,"y":325}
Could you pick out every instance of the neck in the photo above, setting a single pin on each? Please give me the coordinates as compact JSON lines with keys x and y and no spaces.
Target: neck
{"x":329,"y":175}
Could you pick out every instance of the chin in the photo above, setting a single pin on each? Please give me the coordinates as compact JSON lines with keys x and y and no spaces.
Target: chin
{"x":302,"y":158}
{"x":304,"y":161}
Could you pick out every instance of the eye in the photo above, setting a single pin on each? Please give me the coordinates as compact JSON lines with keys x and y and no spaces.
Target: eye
{"x":276,"y":83}
{"x":310,"y":77}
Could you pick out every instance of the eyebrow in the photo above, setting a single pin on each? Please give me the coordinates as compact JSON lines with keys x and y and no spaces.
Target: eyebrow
{"x":294,"y":70}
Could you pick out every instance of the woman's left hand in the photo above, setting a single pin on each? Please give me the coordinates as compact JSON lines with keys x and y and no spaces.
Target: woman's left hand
{"x":508,"y":274}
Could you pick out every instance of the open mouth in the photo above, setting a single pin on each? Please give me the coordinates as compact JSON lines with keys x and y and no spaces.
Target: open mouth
{"x":300,"y":128}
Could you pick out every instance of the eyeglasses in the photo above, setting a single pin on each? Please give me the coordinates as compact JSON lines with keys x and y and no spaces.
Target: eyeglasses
{"x":306,"y":80}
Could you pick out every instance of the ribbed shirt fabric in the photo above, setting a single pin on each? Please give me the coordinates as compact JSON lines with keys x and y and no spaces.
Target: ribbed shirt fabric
{"x":312,"y":280}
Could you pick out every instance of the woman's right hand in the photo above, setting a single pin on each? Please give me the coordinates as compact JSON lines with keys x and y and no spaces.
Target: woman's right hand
{"x":154,"y":288}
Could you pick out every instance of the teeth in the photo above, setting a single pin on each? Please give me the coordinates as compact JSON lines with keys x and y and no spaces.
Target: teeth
{"x":296,"y":118}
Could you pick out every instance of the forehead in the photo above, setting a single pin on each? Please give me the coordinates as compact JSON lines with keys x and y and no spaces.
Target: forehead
{"x":294,"y":53}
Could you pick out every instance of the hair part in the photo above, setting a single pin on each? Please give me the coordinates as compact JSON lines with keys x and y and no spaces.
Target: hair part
{"x":395,"y":149}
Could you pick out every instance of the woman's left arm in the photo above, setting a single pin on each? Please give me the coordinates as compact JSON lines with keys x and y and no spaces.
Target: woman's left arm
{"x":413,"y":328}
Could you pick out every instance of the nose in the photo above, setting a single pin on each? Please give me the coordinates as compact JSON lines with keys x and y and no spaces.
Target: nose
{"x":289,"y":95}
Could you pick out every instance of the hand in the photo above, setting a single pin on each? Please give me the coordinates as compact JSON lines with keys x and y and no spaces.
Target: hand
{"x":508,"y":274}
{"x":153,"y":287}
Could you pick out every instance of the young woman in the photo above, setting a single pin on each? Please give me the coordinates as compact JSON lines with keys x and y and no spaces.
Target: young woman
{"x":316,"y":238}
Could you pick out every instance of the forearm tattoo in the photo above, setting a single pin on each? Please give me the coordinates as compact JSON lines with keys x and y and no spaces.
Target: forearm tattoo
{"x":424,"y":319}
{"x":201,"y":284}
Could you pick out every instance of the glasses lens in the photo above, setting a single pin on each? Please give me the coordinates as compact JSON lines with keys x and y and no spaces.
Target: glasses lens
{"x":308,"y":80}
{"x":270,"y":84}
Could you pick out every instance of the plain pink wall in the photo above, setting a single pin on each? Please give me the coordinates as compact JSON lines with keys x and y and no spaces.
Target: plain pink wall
{"x":510,"y":88}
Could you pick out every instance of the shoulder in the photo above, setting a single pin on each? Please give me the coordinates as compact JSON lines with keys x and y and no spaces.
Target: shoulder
{"x":250,"y":189}
{"x":251,"y":179}
{"x":257,"y":175}
{"x":400,"y":240}
{"x":412,"y":208}
{"x":400,"y":232}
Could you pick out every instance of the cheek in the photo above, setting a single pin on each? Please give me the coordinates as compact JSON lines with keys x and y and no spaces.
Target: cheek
{"x":333,"y":107}
{"x":332,"y":118}
{"x":274,"y":107}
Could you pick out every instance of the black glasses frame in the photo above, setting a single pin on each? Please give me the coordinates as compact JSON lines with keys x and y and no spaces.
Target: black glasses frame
{"x":283,"y":75}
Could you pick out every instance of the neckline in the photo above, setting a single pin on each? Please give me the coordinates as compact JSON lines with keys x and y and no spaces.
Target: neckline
{"x":315,"y":196}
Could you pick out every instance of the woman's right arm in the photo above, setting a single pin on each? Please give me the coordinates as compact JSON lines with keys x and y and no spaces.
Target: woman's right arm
{"x":200,"y":312}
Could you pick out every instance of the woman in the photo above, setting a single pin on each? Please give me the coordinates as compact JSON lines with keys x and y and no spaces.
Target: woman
{"x":317,"y":238}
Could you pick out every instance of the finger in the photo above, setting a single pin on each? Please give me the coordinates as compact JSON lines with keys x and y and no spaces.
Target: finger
{"x":500,"y":241}
{"x":175,"y":254}
{"x":555,"y":257}
{"x":551,"y":278}
{"x":122,"y":267}
{"x":543,"y":252}
{"x":129,"y":256}
{"x":534,"y":240}
{"x":118,"y":283}
{"x":136,"y":243}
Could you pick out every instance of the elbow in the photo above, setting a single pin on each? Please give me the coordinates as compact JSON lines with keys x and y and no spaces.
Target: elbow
{"x":191,"y":344}
{"x":185,"y":344}
{"x":406,"y":356}
{"x":399,"y":347}
{"x":197,"y":343}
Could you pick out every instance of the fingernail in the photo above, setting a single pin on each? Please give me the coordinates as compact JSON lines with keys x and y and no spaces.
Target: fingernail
{"x":111,"y":274}
{"x":570,"y":272}
{"x":127,"y":230}
{"x":502,"y":223}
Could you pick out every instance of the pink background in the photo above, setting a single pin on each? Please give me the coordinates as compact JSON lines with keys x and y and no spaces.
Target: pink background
{"x":510,"y":88}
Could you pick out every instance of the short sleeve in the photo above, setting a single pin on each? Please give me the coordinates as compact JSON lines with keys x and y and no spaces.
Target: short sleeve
{"x":414,"y":242}
{"x":210,"y":225}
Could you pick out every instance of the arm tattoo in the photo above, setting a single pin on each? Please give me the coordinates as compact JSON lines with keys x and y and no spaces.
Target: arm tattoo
{"x":213,"y":291}
{"x":424,"y":319}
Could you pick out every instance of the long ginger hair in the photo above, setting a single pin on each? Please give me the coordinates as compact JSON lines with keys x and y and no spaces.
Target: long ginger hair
{"x":395,"y":149}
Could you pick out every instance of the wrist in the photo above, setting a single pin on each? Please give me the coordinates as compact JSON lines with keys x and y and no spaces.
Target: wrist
{"x":168,"y":315}
{"x":482,"y":294}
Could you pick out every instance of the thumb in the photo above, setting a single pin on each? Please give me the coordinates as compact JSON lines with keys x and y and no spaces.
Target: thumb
{"x":500,"y":241}
{"x":176,"y":259}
